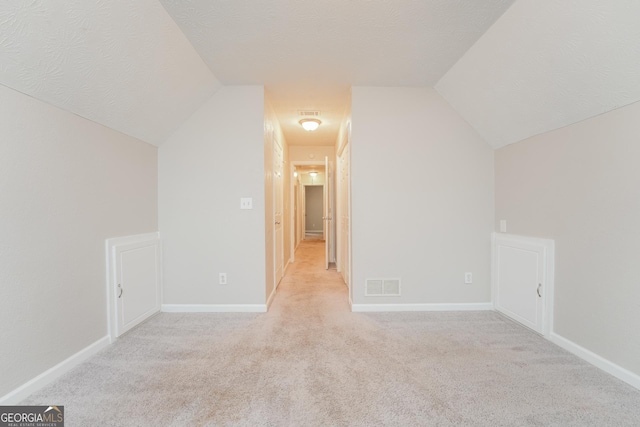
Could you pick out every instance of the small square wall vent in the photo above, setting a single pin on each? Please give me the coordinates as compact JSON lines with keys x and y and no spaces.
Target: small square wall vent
{"x":382,"y":287}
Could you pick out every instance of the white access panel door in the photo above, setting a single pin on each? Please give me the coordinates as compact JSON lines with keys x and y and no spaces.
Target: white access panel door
{"x":522,"y":287}
{"x":136,"y":295}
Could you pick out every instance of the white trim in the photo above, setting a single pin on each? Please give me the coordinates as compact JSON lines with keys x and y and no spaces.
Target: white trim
{"x":284,"y":270}
{"x":597,"y":361}
{"x":271,"y":297}
{"x":51,"y":374}
{"x":214,"y":308}
{"x":346,"y":139}
{"x":479,"y":306}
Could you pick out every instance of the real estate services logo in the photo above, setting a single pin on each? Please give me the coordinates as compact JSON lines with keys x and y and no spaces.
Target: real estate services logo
{"x":31,"y":416}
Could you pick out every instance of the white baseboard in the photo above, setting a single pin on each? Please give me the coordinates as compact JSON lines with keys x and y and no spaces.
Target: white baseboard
{"x":14,"y":397}
{"x":483,"y":306}
{"x":214,"y":308}
{"x":598,"y":361}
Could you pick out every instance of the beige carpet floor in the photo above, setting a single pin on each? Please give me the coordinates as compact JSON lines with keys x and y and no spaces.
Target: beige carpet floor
{"x":311,"y":362}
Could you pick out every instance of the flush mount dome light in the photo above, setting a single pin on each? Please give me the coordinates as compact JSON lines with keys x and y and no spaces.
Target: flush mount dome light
{"x":310,"y":124}
{"x":313,"y":174}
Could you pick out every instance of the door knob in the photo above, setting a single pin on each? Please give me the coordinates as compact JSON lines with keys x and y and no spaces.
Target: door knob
{"x":121,"y":290}
{"x":538,"y":290}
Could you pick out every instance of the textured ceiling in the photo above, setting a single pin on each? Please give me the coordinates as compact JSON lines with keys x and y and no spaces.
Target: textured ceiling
{"x":124,"y":64}
{"x":309,"y":53}
{"x":547,"y":64}
{"x":544,"y":64}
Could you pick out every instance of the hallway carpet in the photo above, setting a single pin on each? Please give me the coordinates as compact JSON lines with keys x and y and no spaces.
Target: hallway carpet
{"x":311,"y":362}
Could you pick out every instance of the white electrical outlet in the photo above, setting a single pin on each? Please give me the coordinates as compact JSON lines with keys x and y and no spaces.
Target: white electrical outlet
{"x":223,"y":278}
{"x":246,"y":203}
{"x":468,"y":278}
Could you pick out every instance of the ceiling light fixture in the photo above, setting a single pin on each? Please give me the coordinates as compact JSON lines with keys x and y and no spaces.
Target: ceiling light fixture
{"x":310,"y":124}
{"x":313,"y":174}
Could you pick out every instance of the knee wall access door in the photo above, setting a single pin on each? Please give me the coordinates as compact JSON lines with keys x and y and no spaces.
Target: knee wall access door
{"x":133,"y":280}
{"x":522,"y":285}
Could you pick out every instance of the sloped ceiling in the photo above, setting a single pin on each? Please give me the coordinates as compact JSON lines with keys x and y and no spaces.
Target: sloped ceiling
{"x":124,"y":64}
{"x":546,"y":64}
{"x":511,"y":72}
{"x":308,"y":53}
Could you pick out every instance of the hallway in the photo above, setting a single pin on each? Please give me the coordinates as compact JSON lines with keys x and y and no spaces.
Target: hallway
{"x":308,"y":287}
{"x":309,"y":361}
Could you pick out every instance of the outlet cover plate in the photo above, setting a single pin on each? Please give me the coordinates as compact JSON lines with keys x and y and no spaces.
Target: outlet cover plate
{"x":246,"y":203}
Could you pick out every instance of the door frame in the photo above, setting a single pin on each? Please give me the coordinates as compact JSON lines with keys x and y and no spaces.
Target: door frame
{"x":304,"y":208}
{"x":275,"y":142}
{"x":339,"y":209}
{"x":292,"y":222}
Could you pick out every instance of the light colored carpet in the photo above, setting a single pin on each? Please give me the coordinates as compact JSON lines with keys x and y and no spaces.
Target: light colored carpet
{"x":310,"y":362}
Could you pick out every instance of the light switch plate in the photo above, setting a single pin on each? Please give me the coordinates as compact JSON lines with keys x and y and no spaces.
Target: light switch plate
{"x":246,"y":203}
{"x":503,"y":225}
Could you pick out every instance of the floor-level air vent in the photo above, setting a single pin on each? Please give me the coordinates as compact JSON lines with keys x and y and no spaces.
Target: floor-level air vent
{"x":382,"y":287}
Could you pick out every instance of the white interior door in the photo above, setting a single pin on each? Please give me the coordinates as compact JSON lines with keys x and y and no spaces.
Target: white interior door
{"x":303,"y":211}
{"x":523,"y":280}
{"x":329,"y":236}
{"x":343,"y":213}
{"x":278,"y":166}
{"x":296,"y":231}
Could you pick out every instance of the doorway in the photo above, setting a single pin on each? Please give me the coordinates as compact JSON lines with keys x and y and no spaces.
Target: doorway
{"x":313,"y":212}
{"x":312,"y":215}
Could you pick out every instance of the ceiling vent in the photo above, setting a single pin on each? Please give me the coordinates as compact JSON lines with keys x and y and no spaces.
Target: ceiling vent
{"x":382,"y":288}
{"x":309,"y":113}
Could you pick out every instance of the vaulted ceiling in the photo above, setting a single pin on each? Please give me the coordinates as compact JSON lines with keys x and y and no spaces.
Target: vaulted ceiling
{"x":547,"y":64}
{"x":511,"y":69}
{"x":308,"y":54}
{"x":124,"y":64}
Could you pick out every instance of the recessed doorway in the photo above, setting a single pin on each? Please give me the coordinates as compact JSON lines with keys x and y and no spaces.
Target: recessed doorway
{"x":312,"y":217}
{"x":313,"y":212}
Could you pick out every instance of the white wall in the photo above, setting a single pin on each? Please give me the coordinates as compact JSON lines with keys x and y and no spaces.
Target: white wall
{"x":422,"y":200}
{"x":67,"y":184}
{"x":314,"y":203}
{"x":308,"y":153}
{"x":319,"y":179}
{"x":580,"y":185}
{"x":214,"y":159}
